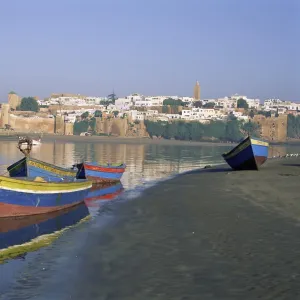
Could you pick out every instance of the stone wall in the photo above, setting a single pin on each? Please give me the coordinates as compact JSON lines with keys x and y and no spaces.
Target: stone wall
{"x":272,"y":129}
{"x":4,"y":114}
{"x":59,"y":125}
{"x":22,"y":124}
{"x":120,"y":127}
{"x":69,"y":128}
{"x":116,"y":127}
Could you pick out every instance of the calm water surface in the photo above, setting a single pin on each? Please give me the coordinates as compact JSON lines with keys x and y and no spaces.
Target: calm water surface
{"x":36,"y":274}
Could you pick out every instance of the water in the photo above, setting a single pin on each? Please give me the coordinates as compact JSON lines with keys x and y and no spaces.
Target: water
{"x":35,"y":274}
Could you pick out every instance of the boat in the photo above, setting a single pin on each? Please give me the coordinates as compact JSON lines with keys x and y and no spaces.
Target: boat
{"x":34,"y":167}
{"x":16,"y":232}
{"x":250,"y":154}
{"x":23,"y":141}
{"x":30,"y":196}
{"x":100,"y":173}
{"x":36,"y":142}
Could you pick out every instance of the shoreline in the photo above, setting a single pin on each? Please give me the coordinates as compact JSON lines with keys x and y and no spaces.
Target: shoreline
{"x":114,"y":140}
{"x":238,"y":240}
{"x":130,"y":140}
{"x":203,"y":234}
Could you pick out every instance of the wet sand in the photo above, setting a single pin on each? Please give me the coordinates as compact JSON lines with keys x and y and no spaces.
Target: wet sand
{"x":212,"y":234}
{"x":215,"y":234}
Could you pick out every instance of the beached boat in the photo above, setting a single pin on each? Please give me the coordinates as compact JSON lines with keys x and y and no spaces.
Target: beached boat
{"x":30,"y":196}
{"x":250,"y":154}
{"x":28,"y":166}
{"x":20,"y":230}
{"x":99,"y":173}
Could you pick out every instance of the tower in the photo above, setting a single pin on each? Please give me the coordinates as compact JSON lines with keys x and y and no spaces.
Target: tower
{"x":14,"y":100}
{"x":197,"y":91}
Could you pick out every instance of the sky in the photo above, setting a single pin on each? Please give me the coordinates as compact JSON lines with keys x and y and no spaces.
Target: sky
{"x":153,"y":47}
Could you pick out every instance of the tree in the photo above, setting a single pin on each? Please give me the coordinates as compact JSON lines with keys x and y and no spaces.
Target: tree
{"x":98,"y":114}
{"x":276,"y":114}
{"x":85,"y":115}
{"x":197,"y":104}
{"x":241,"y":103}
{"x":251,"y":114}
{"x":112,"y":97}
{"x":172,"y":102}
{"x":209,"y":105}
{"x":115,"y":112}
{"x":29,"y":104}
{"x":251,"y":128}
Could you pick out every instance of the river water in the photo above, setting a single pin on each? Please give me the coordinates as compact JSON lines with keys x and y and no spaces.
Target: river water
{"x":49,"y":272}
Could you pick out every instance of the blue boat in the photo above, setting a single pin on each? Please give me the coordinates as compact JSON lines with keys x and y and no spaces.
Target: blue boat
{"x":100,"y":173}
{"x":17,"y":231}
{"x":28,"y":166}
{"x":250,"y":154}
{"x":31,"y":196}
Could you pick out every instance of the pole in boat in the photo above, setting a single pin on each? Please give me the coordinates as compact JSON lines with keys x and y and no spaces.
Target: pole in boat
{"x":25,"y":145}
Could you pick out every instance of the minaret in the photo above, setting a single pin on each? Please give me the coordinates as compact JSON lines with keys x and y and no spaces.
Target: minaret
{"x":197,"y":91}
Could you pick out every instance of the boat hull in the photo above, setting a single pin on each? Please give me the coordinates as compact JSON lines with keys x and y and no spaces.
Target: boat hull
{"x":25,"y":197}
{"x":100,"y":174}
{"x":33,"y":167}
{"x":250,"y":154}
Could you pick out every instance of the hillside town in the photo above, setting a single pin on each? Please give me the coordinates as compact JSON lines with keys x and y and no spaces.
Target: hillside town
{"x":136,"y":109}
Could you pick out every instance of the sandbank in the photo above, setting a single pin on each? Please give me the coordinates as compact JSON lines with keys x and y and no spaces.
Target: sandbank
{"x":212,"y":234}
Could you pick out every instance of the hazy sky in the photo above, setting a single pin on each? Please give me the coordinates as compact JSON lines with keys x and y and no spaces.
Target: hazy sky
{"x":154,"y":47}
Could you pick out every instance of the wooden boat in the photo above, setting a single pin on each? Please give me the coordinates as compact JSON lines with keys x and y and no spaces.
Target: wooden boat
{"x":100,"y":173}
{"x":250,"y":154}
{"x":20,"y":230}
{"x":28,"y":166}
{"x":30,"y":196}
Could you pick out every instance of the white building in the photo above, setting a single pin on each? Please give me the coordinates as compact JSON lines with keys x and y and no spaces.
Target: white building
{"x":123,"y":103}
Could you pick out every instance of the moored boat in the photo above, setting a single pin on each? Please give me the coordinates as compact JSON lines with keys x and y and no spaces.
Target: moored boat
{"x":100,"y":173}
{"x":30,"y":196}
{"x":28,"y":166}
{"x":250,"y":154}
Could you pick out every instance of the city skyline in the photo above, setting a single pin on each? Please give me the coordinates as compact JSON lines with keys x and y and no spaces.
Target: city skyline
{"x":154,"y":48}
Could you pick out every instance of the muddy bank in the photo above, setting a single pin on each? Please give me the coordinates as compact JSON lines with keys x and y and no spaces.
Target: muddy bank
{"x":216,"y":234}
{"x":204,"y":235}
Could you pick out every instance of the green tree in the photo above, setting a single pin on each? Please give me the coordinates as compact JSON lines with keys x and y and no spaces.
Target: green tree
{"x":29,"y":104}
{"x":81,"y":126}
{"x":115,"y":112}
{"x":98,"y":114}
{"x":209,"y":105}
{"x":241,"y":103}
{"x":172,"y":102}
{"x":85,"y":115}
{"x":251,"y":128}
{"x":251,"y":114}
{"x":112,"y":97}
{"x":197,"y":104}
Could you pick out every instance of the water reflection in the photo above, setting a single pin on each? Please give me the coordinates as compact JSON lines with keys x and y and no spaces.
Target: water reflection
{"x":144,"y":162}
{"x":18,"y":231}
{"x":98,"y":195}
